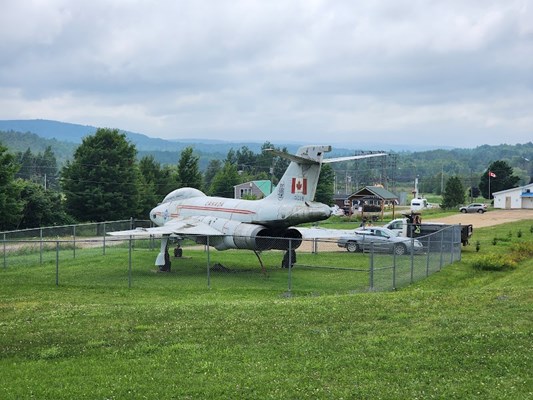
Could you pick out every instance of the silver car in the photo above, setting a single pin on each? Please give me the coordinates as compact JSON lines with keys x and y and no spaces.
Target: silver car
{"x":379,"y":239}
{"x":474,"y":207}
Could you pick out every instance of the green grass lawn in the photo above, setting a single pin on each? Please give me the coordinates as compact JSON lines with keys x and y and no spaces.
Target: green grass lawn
{"x":461,"y":333}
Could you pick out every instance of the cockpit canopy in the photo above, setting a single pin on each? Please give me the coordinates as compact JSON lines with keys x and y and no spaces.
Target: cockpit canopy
{"x":182,"y":194}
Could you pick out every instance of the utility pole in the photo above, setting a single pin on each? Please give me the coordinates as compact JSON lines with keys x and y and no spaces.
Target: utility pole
{"x":442,"y":179}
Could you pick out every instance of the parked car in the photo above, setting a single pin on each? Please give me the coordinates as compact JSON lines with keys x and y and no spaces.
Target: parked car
{"x":474,"y":207}
{"x":379,"y":239}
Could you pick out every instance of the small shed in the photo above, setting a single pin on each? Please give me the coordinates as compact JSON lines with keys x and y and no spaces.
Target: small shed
{"x":373,"y":199}
{"x":515,"y":198}
{"x":256,"y":189}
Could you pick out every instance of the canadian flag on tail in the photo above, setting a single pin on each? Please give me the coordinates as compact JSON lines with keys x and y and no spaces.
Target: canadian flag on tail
{"x":492,"y":174}
{"x":299,"y":185}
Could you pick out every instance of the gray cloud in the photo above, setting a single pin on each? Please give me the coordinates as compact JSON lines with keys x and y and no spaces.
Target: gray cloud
{"x":439,"y":73}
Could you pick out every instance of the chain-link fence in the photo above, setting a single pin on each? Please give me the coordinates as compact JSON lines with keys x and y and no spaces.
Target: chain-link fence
{"x":84,"y":255}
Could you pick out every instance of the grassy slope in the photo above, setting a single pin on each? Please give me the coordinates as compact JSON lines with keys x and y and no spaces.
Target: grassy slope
{"x":458,"y":334}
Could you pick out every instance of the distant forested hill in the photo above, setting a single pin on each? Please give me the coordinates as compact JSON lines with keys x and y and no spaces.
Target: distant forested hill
{"x":20,"y":142}
{"x":74,"y":133}
{"x":429,"y":166}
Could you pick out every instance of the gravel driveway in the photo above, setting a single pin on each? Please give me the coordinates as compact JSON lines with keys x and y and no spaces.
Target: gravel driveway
{"x":489,"y":218}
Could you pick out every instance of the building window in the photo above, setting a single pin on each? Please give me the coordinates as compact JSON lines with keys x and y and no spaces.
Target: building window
{"x":245,"y":192}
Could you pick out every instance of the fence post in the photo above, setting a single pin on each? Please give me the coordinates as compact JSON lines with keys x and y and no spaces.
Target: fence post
{"x":57,"y":263}
{"x":412,"y":260}
{"x":41,"y":246}
{"x":74,"y":236}
{"x":104,"y":238}
{"x":129,"y":264}
{"x":454,"y":231}
{"x":461,"y":244}
{"x":393,"y":270}
{"x":208,"y":263}
{"x":441,"y":249}
{"x":5,"y":260}
{"x":371,"y":276}
{"x":290,"y":265}
{"x":427,"y":259}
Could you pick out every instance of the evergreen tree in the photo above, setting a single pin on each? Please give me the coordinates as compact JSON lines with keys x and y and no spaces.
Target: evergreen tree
{"x":41,"y":207}
{"x":188,"y":171}
{"x":155,"y":183}
{"x":11,"y":205}
{"x":501,"y":178}
{"x":27,"y":165}
{"x":246,"y":160}
{"x":164,"y":179}
{"x":275,"y":165}
{"x":324,"y":189}
{"x":213,"y":167}
{"x":39,"y":168}
{"x":102,"y":181}
{"x":473,"y":191}
{"x":454,"y":193}
{"x":149,"y":195}
{"x":47,"y":168}
{"x":280,"y":166}
{"x":224,"y":181}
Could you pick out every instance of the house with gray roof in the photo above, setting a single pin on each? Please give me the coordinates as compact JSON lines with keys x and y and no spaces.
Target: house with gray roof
{"x":374,"y":200}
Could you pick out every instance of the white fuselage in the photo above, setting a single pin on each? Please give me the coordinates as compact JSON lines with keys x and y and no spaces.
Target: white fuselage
{"x":266,"y":212}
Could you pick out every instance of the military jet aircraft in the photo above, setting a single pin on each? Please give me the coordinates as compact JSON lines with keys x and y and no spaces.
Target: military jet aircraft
{"x":246,"y":224}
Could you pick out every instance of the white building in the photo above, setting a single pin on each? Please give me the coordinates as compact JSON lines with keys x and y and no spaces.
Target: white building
{"x":520,"y":197}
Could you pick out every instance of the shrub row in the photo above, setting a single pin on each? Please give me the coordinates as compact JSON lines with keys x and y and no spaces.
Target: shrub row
{"x":519,"y":251}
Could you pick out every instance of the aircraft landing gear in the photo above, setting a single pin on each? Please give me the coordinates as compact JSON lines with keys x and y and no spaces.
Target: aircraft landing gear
{"x":263,"y":270}
{"x":285,"y":262}
{"x":167,"y":265}
{"x":178,"y":251}
{"x":163,"y":258}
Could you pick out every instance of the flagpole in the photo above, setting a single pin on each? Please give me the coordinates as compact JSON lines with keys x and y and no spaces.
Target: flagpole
{"x":489,"y":185}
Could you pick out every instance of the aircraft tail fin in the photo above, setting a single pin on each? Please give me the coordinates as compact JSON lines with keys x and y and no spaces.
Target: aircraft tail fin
{"x":300,"y":180}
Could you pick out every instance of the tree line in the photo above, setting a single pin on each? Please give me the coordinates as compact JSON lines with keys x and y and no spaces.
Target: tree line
{"x":105,"y":181}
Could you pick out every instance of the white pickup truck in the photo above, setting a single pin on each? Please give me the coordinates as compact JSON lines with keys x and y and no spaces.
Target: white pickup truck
{"x":412,"y":226}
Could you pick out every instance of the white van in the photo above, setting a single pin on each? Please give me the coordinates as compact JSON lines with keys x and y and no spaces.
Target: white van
{"x":419,"y":204}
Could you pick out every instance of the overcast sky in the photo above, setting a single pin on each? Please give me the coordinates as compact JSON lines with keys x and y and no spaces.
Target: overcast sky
{"x":439,"y":73}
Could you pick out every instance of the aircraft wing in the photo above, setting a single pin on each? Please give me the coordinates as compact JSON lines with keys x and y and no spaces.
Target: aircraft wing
{"x":179,"y":226}
{"x":347,"y":158}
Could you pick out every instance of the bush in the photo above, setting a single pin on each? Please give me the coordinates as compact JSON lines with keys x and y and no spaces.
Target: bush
{"x":494,"y":262}
{"x":522,"y":250}
{"x":497,"y":239}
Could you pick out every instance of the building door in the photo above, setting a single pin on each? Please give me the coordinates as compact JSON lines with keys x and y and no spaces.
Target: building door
{"x":507,"y":202}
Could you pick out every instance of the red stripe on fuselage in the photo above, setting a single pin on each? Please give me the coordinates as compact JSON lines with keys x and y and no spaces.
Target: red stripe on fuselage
{"x":218,"y":209}
{"x":204,"y":208}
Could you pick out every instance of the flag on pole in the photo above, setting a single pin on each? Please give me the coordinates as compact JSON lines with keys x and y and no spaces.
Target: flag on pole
{"x":492,"y":174}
